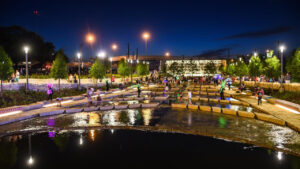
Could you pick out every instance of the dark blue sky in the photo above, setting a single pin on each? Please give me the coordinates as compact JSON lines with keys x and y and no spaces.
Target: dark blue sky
{"x":181,"y":27}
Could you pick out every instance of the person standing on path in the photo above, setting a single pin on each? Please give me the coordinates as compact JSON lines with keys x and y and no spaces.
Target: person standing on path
{"x":260,"y":94}
{"x":17,"y":76}
{"x":50,"y":92}
{"x":190,"y":97}
{"x":89,"y":96}
{"x":222,"y":90}
{"x":107,"y":85}
{"x":139,"y":90}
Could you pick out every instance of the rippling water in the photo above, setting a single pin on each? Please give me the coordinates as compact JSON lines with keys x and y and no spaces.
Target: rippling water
{"x":167,"y":119}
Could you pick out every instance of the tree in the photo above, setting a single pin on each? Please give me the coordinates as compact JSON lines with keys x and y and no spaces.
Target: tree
{"x":180,"y":68}
{"x":241,"y":69}
{"x":142,"y":69}
{"x":255,"y":67}
{"x":222,"y":69}
{"x":98,"y":70}
{"x":14,"y":38}
{"x":192,"y":67}
{"x":272,"y":68}
{"x":230,"y":69}
{"x":293,"y":66}
{"x":173,"y":68}
{"x":6,"y":67}
{"x":123,"y":68}
{"x":59,"y":69}
{"x":210,"y":68}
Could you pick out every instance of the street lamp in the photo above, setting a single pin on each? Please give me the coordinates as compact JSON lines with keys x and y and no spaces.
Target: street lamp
{"x":79,"y":57}
{"x":114,"y":48}
{"x":101,"y":54}
{"x":90,"y":38}
{"x":255,"y":54}
{"x":146,"y":36}
{"x":26,"y":49}
{"x":281,"y":48}
{"x":131,"y":69}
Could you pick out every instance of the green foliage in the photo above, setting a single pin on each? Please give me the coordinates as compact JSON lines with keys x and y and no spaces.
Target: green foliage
{"x":123,"y":68}
{"x":222,"y":69}
{"x":293,"y":66}
{"x":192,"y":66}
{"x":179,"y":70}
{"x":230,"y":69}
{"x":241,"y":69}
{"x":98,"y":70}
{"x":272,"y":67}
{"x":142,"y":69}
{"x":5,"y":66}
{"x":255,"y":66}
{"x":210,"y":68}
{"x":14,"y":38}
{"x":59,"y":69}
{"x":173,"y":68}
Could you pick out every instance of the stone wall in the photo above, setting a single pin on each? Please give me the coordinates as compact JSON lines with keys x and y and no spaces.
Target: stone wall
{"x":292,"y":87}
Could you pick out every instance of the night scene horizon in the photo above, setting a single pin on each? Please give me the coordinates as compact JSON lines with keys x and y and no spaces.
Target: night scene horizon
{"x":180,"y":27}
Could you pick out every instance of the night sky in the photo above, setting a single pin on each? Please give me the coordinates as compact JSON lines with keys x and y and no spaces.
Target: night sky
{"x":181,"y":27}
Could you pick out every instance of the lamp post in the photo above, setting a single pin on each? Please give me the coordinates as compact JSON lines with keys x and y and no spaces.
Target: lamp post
{"x":79,"y":56}
{"x":146,"y":36}
{"x":114,"y":48}
{"x":131,"y":69}
{"x":26,"y":49}
{"x":281,"y":48}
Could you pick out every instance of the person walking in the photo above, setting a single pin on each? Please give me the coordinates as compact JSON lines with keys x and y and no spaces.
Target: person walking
{"x":50,"y":92}
{"x":107,"y":85}
{"x":89,"y":96}
{"x":222,"y":90}
{"x":190,"y":96}
{"x":260,"y":94}
{"x":139,"y":90}
{"x":17,"y":76}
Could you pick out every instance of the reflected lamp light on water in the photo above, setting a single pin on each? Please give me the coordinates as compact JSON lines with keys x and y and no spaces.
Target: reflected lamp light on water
{"x":279,"y":155}
{"x":30,"y":161}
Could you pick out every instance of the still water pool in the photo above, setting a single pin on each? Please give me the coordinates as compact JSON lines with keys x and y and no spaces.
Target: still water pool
{"x":134,"y":149}
{"x":156,"y":138}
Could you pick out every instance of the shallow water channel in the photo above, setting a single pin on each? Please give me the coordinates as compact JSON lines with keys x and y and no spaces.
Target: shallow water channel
{"x":281,"y":144}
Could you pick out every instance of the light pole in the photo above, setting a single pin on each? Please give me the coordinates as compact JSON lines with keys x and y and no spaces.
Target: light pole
{"x":281,"y":52}
{"x":131,"y":69}
{"x":146,"y":36}
{"x":79,"y":56}
{"x":114,"y":48}
{"x":26,"y":49}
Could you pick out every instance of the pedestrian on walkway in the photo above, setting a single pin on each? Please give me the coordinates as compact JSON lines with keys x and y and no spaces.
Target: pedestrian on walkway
{"x":139,"y":90}
{"x":50,"y":92}
{"x":89,"y":96}
{"x":222,"y":90}
{"x":190,"y":96}
{"x":17,"y":76}
{"x":260,"y":94}
{"x":107,"y":85}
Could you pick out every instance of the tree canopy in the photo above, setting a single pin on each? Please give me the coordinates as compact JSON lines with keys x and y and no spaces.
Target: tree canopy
{"x":142,"y":69}
{"x":255,"y":66}
{"x":173,"y":68}
{"x":210,"y":68}
{"x":241,"y":69}
{"x":272,"y":67}
{"x":293,"y":66}
{"x":98,"y":70}
{"x":6,"y":68}
{"x":192,"y":66}
{"x":123,"y":68}
{"x":59,"y":69}
{"x":14,"y":38}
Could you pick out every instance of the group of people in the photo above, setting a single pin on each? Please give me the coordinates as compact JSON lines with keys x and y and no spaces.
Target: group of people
{"x":15,"y":77}
{"x":73,"y":78}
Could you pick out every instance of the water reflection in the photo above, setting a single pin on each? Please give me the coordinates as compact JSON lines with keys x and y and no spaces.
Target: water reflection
{"x":146,"y":116}
{"x":92,"y":135}
{"x":279,"y":155}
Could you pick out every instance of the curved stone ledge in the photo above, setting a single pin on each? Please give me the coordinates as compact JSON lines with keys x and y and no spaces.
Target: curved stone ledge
{"x":33,"y":106}
{"x":161,"y":98}
{"x":110,"y":107}
{"x":175,"y":105}
{"x":193,"y":107}
{"x":269,"y":118}
{"x":50,"y":113}
{"x":119,"y":107}
{"x":205,"y":108}
{"x":246,"y":114}
{"x":69,"y":111}
{"x":88,"y":109}
{"x":216,"y":109}
{"x":195,"y":98}
{"x":78,"y":98}
{"x":149,"y":105}
{"x":134,"y":106}
{"x":229,"y":111}
{"x":224,"y":101}
{"x":214,"y":100}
